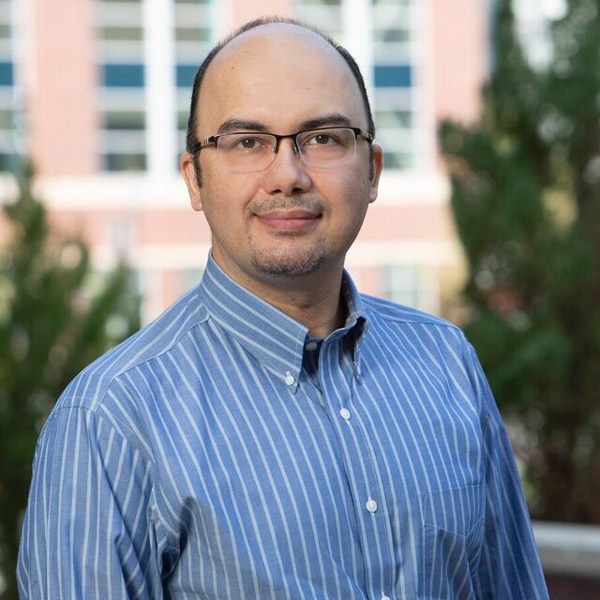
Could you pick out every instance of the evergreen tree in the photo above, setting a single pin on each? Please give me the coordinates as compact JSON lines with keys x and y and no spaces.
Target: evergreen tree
{"x":526,"y":201}
{"x":50,"y":328}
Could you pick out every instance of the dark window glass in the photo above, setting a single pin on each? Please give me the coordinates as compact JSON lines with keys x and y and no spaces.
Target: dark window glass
{"x":123,"y":34}
{"x":124,"y":162}
{"x":8,"y":162}
{"x":185,"y":75}
{"x":124,"y":120}
{"x":397,"y":119}
{"x":397,"y":160}
{"x":6,"y":73}
{"x":392,"y":35}
{"x":393,"y":76}
{"x":6,"y":119}
{"x":123,"y":75}
{"x":182,"y":119}
{"x":192,"y":34}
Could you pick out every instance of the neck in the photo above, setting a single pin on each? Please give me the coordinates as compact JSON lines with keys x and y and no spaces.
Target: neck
{"x":315,"y":300}
{"x":320,"y":308}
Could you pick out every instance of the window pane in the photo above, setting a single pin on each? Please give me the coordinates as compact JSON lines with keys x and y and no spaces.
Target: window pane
{"x":391,"y":2}
{"x":6,"y":73}
{"x":393,"y":76}
{"x":397,"y":160}
{"x":185,"y":75}
{"x":124,"y":120}
{"x":124,"y":162}
{"x":182,"y":119}
{"x":121,"y":33}
{"x":392,"y":35}
{"x":393,"y":119}
{"x":192,"y":34}
{"x":123,"y":75}
{"x":6,"y":119}
{"x":8,"y":162}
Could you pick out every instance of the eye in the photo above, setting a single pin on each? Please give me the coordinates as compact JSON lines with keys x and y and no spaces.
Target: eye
{"x":243,"y":142}
{"x":322,"y":139}
{"x":248,"y":143}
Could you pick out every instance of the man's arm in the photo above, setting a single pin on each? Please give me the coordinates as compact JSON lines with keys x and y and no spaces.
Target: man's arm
{"x":87,"y":531}
{"x":509,"y":567}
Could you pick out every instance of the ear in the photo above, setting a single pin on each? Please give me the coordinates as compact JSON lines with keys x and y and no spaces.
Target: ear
{"x":375,"y":171}
{"x":188,"y":166}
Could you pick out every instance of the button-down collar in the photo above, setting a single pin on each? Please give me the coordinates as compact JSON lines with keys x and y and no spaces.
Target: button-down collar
{"x":270,"y":335}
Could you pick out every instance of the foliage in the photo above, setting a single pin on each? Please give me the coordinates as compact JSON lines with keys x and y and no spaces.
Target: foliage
{"x":526,"y":201}
{"x":50,"y":328}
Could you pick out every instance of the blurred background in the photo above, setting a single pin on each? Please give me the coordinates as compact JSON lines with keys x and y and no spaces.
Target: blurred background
{"x":488,"y":215}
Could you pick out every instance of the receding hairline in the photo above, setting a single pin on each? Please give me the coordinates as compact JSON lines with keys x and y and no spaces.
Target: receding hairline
{"x":300,"y":27}
{"x":278,"y":29}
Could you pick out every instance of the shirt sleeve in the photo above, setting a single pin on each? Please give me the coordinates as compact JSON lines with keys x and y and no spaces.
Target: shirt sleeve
{"x":88,"y":529}
{"x":509,"y":566}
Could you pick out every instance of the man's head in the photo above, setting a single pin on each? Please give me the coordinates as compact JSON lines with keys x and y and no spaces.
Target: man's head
{"x":192,"y":138}
{"x":284,"y":217}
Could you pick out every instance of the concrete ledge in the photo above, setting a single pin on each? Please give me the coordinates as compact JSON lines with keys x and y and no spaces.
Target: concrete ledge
{"x":569,"y":549}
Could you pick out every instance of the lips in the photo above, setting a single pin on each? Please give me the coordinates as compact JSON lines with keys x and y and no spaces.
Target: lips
{"x":296,"y":219}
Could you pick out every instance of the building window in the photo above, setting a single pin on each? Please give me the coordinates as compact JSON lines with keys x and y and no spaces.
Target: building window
{"x":391,"y":50}
{"x":395,"y":36}
{"x":411,"y":285}
{"x":6,"y":73}
{"x":185,"y":75}
{"x":393,"y":76}
{"x":123,"y":75}
{"x":121,"y":96}
{"x":325,"y":14}
{"x":124,"y":120}
{"x":124,"y":162}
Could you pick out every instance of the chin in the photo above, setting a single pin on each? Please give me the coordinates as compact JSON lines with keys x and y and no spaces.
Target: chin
{"x":288,"y":267}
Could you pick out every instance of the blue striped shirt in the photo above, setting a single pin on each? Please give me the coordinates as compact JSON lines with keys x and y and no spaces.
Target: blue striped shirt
{"x":221,"y":453}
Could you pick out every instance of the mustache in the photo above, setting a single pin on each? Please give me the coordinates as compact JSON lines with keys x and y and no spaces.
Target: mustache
{"x":260,"y":207}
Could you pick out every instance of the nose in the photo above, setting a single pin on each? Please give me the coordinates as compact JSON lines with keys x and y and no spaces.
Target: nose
{"x":287,"y":174}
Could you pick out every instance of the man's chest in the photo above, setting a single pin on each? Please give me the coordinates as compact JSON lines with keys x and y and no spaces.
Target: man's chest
{"x":335,"y":491}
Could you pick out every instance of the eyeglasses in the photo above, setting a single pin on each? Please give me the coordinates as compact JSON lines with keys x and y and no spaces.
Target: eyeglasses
{"x":245,"y":152}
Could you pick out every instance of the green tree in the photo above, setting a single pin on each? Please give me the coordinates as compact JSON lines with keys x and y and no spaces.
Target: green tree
{"x":526,"y":201}
{"x":51,"y":326}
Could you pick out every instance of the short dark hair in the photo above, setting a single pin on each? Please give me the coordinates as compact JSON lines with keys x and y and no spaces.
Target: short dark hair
{"x":191,"y":138}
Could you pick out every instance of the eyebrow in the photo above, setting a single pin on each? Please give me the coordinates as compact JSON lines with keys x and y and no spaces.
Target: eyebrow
{"x":327,"y":120}
{"x":234,"y":124}
{"x":231,"y":125}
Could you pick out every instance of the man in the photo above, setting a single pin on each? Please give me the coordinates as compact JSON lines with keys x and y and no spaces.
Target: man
{"x":274,"y":434}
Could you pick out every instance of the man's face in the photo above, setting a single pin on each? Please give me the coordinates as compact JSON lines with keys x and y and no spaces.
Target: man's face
{"x":290,"y":220}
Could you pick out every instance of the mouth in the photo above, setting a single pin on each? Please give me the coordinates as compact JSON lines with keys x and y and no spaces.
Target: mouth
{"x":295,"y":219}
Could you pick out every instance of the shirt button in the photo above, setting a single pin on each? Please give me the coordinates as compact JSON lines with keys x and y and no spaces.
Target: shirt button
{"x":371,"y":505}
{"x":289,"y":379}
{"x":345,"y":413}
{"x":311,"y":346}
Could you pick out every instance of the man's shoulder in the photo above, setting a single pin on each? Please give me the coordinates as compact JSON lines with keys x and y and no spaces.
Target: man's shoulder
{"x":393,"y":312}
{"x":89,"y":388}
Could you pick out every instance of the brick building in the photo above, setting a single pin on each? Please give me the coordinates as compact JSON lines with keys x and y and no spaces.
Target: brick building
{"x":97,"y":92}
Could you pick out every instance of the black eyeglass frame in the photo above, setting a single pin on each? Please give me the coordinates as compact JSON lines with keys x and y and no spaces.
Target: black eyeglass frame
{"x":213,"y":139}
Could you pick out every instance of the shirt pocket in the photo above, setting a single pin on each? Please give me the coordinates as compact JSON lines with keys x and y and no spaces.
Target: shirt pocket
{"x":453,"y":521}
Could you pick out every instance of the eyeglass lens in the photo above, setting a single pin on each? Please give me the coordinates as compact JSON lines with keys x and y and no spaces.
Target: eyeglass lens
{"x":256,"y":151}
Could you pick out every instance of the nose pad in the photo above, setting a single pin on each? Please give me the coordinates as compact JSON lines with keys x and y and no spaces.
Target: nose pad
{"x":279,"y":143}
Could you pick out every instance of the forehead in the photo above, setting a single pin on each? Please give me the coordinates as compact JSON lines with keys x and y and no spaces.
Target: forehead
{"x":278,"y":74}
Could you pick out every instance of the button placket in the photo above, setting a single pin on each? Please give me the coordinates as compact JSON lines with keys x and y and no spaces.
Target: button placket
{"x":360,"y":462}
